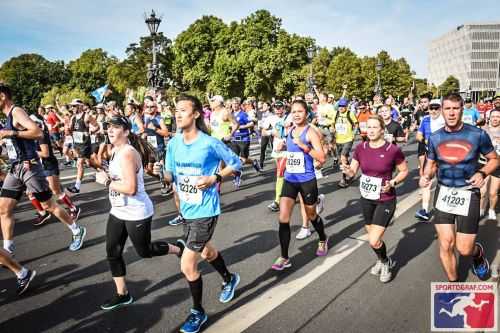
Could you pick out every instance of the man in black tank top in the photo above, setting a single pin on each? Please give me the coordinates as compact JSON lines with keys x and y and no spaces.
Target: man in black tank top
{"x":26,"y":173}
{"x":82,"y":146}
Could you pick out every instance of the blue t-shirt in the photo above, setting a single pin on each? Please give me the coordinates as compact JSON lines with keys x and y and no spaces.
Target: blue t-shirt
{"x":457,"y":153}
{"x":199,"y":158}
{"x":429,"y":126}
{"x":470,"y":116}
{"x":242,"y":119}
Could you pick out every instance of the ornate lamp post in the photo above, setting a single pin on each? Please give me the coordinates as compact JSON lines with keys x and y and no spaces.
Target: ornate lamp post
{"x":378,"y":68}
{"x":310,"y":80}
{"x":154,"y":75}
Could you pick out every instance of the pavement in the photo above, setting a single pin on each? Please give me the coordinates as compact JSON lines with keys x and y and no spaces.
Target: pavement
{"x":331,"y":294}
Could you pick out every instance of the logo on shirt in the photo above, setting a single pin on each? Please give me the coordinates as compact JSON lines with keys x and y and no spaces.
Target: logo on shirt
{"x":454,"y":151}
{"x":470,"y":306}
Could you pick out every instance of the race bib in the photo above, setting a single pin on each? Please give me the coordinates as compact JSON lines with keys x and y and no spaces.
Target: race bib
{"x":187,"y":190}
{"x":78,"y":137}
{"x":453,"y":201}
{"x":93,"y":138}
{"x":467,"y":118}
{"x":341,"y":128}
{"x":295,"y":162}
{"x":11,"y":150}
{"x":363,"y":127}
{"x":152,"y":141}
{"x":370,"y":187}
{"x":116,"y":199}
{"x":68,"y":139}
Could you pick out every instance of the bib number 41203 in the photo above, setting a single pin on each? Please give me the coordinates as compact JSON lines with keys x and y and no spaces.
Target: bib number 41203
{"x":453,"y":201}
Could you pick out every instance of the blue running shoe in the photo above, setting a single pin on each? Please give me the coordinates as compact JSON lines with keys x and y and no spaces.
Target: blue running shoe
{"x":481,"y":266}
{"x":422,"y":215}
{"x":194,"y":322}
{"x":237,"y":180}
{"x":228,"y":289}
{"x":77,"y":241}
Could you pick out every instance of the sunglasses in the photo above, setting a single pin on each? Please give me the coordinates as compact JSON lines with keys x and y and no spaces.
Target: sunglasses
{"x":434,"y":108}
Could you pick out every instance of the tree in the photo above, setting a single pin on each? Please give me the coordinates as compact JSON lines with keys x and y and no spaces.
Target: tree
{"x":345,"y":70}
{"x":89,"y":71}
{"x":450,"y":85}
{"x":29,"y":76}
{"x":64,"y":95}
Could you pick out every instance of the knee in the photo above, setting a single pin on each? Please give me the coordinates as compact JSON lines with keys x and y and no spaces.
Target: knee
{"x":209,"y":254}
{"x":144,"y":252}
{"x":446,"y":245}
{"x":113,"y":252}
{"x":189,"y":272}
{"x":465,"y":249}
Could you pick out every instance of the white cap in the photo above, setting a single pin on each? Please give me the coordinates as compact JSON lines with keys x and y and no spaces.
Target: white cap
{"x":217,"y":98}
{"x":49,"y":106}
{"x":76,"y":101}
{"x":435,"y":101}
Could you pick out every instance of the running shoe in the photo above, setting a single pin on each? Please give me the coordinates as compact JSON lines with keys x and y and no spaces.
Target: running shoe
{"x":481,"y":266}
{"x":303,"y":233}
{"x":274,"y":207}
{"x":68,"y":164}
{"x":237,"y":180}
{"x":377,"y":268}
{"x":385,"y":271}
{"x":75,"y":213}
{"x":322,"y":248}
{"x":256,"y":166}
{"x":182,"y":245}
{"x":41,"y":219}
{"x":194,"y":322}
{"x":23,"y":284}
{"x":320,"y":205}
{"x":281,"y":263}
{"x":77,"y":242}
{"x":422,"y":215}
{"x":73,"y":189}
{"x":228,"y":288}
{"x":492,"y":215}
{"x":117,"y":301}
{"x":176,"y":221}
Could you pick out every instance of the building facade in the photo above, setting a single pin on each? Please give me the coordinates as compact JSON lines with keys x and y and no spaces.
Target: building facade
{"x":471,"y":53}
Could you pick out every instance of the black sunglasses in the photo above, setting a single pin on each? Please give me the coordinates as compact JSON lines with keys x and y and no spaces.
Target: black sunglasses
{"x":434,"y":107}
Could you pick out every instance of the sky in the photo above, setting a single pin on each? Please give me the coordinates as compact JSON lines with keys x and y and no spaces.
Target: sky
{"x":62,"y":29}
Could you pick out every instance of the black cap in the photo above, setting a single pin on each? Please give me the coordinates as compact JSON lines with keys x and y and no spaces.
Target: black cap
{"x":279,"y":104}
{"x":468,"y":100}
{"x":121,"y":121}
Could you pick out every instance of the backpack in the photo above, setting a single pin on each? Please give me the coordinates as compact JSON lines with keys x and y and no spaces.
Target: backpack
{"x":348,"y":118}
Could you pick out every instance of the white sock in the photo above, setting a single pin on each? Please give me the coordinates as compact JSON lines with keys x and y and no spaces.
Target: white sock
{"x":7,"y":243}
{"x":78,"y":183}
{"x":22,"y":273}
{"x":425,"y":206}
{"x":75,"y":228}
{"x":481,"y":212}
{"x":492,"y":212}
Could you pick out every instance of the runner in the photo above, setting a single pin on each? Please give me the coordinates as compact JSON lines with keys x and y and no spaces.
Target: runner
{"x":131,"y":209}
{"x":377,"y":160}
{"x":192,"y":161}
{"x":492,"y":184}
{"x":303,"y":147}
{"x":82,"y":146}
{"x":26,"y":173}
{"x":406,"y":112}
{"x":453,"y":156}
{"x":363,"y":115}
{"x":241,"y":137}
{"x":470,"y":115}
{"x":393,"y":131}
{"x":345,"y":128}
{"x":54,"y":123}
{"x":430,"y":124}
{"x":23,"y":274}
{"x":265,"y":126}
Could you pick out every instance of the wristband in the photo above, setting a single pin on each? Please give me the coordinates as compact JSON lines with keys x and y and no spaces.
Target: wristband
{"x":107,"y":183}
{"x":218,"y":178}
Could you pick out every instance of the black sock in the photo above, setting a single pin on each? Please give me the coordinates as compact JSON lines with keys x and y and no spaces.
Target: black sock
{"x":477,"y":255}
{"x":220,"y":266}
{"x":456,"y":280}
{"x":196,"y":288}
{"x":319,"y":227}
{"x":381,"y":253}
{"x":284,"y":234}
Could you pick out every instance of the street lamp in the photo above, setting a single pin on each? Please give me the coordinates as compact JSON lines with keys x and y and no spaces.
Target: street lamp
{"x":310,"y":55}
{"x":378,"y":68}
{"x":154,"y":74}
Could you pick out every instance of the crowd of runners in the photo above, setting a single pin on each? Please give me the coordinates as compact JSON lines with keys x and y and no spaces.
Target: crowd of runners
{"x":191,"y":148}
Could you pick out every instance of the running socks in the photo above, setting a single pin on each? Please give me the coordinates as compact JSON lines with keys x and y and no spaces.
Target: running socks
{"x":37,"y":204}
{"x":7,"y":245}
{"x":279,"y":186}
{"x":381,"y":253}
{"x":67,"y":201}
{"x":78,"y":184}
{"x":319,"y":227}
{"x":75,"y":228}
{"x":22,"y":273}
{"x":284,"y":234}
{"x":220,"y":266}
{"x":196,"y":288}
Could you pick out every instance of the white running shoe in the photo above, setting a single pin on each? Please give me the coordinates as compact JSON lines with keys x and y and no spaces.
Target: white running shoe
{"x":320,"y":206}
{"x":385,"y":272}
{"x":492,"y":215}
{"x":377,"y":268}
{"x":303,"y":233}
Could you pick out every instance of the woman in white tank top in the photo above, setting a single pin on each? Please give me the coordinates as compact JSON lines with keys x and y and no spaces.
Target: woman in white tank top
{"x":131,"y":209}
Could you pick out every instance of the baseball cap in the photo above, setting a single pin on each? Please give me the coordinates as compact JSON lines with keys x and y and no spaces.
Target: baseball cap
{"x":343,"y":102}
{"x":121,"y":121}
{"x":331,"y":96}
{"x":76,"y":101}
{"x":217,"y":98}
{"x":279,"y":104}
{"x":468,"y":100}
{"x":435,"y":101}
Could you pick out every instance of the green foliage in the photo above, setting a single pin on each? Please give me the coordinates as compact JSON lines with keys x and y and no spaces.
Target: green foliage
{"x":89,"y":71}
{"x":64,"y":95}
{"x":450,"y":85}
{"x":29,"y":76}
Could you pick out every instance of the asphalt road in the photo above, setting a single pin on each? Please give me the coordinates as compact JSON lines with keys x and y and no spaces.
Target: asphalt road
{"x":332,"y":294}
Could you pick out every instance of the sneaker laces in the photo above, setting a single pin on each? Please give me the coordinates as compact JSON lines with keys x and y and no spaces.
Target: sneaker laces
{"x":322,"y":245}
{"x":280,"y":261}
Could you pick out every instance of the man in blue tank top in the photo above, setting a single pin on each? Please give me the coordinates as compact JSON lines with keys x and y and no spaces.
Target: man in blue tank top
{"x":26,"y":173}
{"x":453,"y":157}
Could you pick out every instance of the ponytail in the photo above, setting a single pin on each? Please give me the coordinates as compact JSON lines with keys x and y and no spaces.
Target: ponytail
{"x":145,"y":149}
